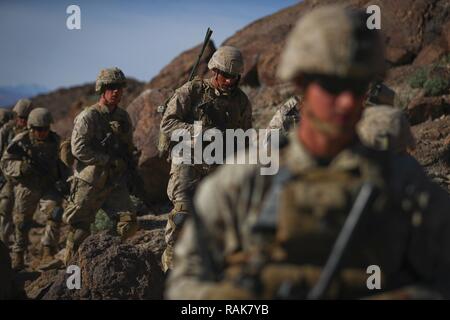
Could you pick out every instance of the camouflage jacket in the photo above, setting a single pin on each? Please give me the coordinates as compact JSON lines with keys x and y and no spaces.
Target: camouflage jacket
{"x":41,"y":169}
{"x":286,"y":117}
{"x":197,"y":100}
{"x":407,"y":232}
{"x":7,"y":134}
{"x":92,"y":127}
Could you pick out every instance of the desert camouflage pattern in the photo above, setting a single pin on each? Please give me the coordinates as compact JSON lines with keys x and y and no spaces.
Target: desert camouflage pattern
{"x":34,"y":189}
{"x":324,"y":42}
{"x":198,"y":100}
{"x":109,"y":76}
{"x":227,"y":59}
{"x":406,"y":231}
{"x":385,"y":127}
{"x":286,"y":117}
{"x":99,"y":179}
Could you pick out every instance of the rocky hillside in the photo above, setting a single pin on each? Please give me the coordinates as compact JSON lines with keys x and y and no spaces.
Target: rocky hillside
{"x":417,"y":40}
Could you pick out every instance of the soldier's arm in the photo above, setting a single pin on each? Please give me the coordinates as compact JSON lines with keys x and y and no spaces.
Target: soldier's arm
{"x":12,"y":165}
{"x":81,"y":143}
{"x":178,"y":109}
{"x":429,"y":249}
{"x":222,"y":206}
{"x":3,"y":140}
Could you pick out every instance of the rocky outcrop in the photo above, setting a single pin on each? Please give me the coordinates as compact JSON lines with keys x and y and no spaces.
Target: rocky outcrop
{"x":111,"y":270}
{"x":146,"y":119}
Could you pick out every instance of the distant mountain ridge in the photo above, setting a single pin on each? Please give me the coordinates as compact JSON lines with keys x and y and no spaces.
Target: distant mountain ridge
{"x":10,"y":94}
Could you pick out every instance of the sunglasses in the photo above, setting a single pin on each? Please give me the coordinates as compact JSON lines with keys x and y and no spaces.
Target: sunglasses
{"x":227,"y":75}
{"x":337,"y":85}
{"x":40,"y":129}
{"x":113,"y":87}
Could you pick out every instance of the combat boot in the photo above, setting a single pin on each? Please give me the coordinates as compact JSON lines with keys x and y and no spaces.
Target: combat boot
{"x":18,"y":262}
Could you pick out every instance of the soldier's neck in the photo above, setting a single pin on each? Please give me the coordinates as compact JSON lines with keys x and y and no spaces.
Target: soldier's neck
{"x":104,"y":103}
{"x":320,"y":145}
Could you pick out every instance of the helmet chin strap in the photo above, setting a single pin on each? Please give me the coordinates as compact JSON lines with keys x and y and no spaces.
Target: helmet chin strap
{"x":326,"y":128}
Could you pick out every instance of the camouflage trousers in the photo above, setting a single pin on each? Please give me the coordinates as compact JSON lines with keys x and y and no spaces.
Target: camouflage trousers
{"x":183,"y":181}
{"x":6,"y":208}
{"x":27,"y":200}
{"x":84,"y":202}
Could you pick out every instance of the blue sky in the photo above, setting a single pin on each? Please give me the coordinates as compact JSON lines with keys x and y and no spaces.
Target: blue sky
{"x":140,"y":37}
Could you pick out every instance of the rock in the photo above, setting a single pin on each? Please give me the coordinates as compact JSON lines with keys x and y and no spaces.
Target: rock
{"x":423,"y":108}
{"x":111,"y":270}
{"x":431,"y":53}
{"x":432,"y":149}
{"x":145,"y":118}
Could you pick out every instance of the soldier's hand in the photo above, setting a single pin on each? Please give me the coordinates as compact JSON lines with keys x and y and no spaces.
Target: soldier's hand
{"x":115,"y":127}
{"x":26,"y":167}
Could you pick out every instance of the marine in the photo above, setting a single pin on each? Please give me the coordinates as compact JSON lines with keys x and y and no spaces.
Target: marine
{"x":31,"y":164}
{"x":15,"y":124}
{"x":270,"y":237}
{"x":216,"y":102}
{"x":102,"y":146}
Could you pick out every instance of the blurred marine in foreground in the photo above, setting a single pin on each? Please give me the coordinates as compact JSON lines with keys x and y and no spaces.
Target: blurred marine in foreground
{"x":335,"y":209}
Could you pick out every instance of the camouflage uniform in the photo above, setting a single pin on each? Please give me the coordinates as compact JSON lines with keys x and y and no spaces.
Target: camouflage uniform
{"x":286,"y":117}
{"x":385,"y":127}
{"x":7,"y":132}
{"x":100,"y":177}
{"x":261,"y":236}
{"x":33,"y":187}
{"x":198,"y":100}
{"x":407,"y":235}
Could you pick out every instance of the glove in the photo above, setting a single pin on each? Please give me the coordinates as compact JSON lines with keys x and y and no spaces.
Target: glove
{"x":115,"y":127}
{"x":228,"y":291}
{"x":25,"y":167}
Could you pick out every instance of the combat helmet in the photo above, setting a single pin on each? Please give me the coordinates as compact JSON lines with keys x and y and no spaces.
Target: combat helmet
{"x":23,"y":108}
{"x":39,"y":117}
{"x":227,"y":59}
{"x":333,"y":41}
{"x":108,"y":77}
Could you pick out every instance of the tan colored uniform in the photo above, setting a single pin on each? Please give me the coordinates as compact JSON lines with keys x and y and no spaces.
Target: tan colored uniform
{"x":406,"y":232}
{"x":32,"y":187}
{"x":286,"y":117}
{"x":7,"y":134}
{"x":198,"y":100}
{"x":99,"y":179}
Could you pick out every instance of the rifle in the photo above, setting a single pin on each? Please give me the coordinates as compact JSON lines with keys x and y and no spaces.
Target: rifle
{"x":209,"y":32}
{"x":205,"y":42}
{"x":138,"y":188}
{"x":332,"y":265}
{"x":17,"y":148}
